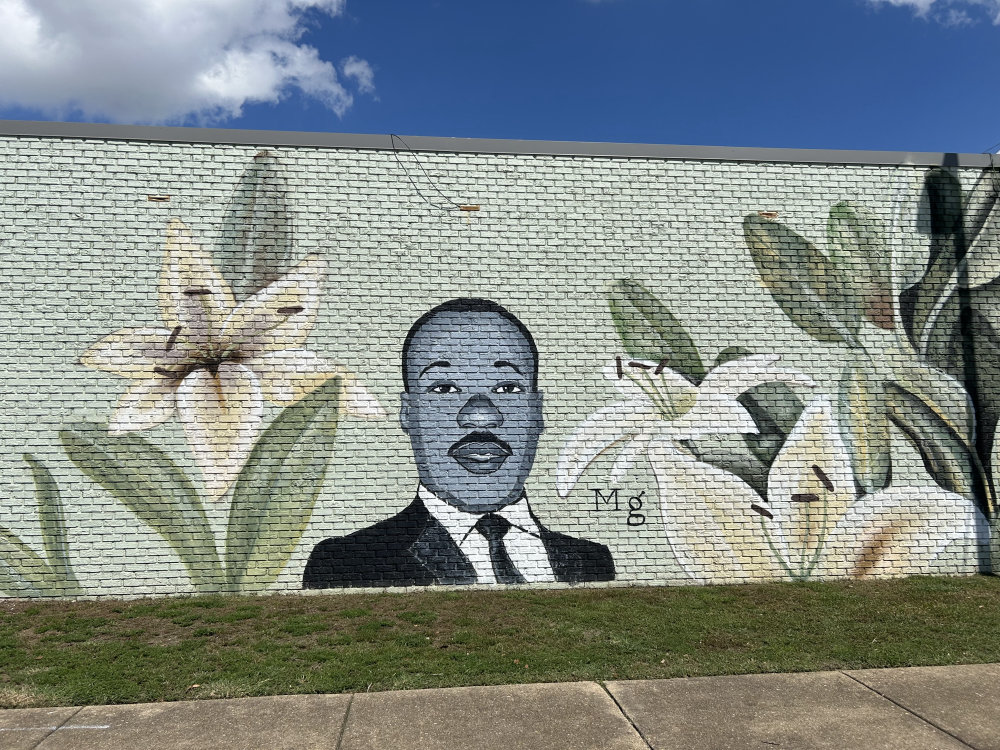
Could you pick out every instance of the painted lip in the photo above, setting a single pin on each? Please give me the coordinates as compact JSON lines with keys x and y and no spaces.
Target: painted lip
{"x":480,"y":452}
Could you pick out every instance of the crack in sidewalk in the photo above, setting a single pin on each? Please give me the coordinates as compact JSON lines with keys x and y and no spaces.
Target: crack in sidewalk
{"x":343,"y":725}
{"x":56,"y":729}
{"x":628,"y":718}
{"x":909,"y":711}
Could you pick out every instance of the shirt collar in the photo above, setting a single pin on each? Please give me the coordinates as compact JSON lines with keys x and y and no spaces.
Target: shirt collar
{"x":459,"y":523}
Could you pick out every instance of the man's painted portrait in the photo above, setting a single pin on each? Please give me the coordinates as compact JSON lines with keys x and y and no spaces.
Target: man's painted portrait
{"x":473,"y":412}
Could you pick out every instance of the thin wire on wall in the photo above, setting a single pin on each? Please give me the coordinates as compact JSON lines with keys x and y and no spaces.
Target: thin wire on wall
{"x":395,"y":152}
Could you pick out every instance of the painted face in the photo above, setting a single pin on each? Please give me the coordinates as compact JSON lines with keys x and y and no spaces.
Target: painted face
{"x":472,"y":413}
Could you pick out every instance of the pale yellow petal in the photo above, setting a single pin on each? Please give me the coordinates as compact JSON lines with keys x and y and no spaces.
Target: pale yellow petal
{"x":716,"y":410}
{"x":288,"y":375}
{"x":730,"y":379}
{"x":713,"y":414}
{"x":716,"y":525}
{"x":810,"y":485}
{"x":135,"y":353}
{"x":147,"y":404}
{"x":193,"y":294}
{"x":603,"y":430}
{"x":281,"y":315}
{"x":221,"y":415}
{"x":903,"y":531}
{"x":359,"y":401}
{"x":668,"y":390}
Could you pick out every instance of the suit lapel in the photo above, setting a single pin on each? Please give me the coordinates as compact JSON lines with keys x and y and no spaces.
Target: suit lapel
{"x":437,"y":551}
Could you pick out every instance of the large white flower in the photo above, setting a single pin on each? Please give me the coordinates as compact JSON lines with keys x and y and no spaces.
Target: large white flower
{"x":214,"y":362}
{"x":662,"y":407}
{"x":811,"y":525}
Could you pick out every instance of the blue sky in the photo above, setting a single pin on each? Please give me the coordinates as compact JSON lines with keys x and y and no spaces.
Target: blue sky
{"x":915,"y":75}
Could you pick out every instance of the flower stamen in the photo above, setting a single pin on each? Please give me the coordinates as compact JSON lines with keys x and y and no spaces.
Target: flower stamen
{"x":173,"y":337}
{"x":823,"y":478}
{"x":805,"y":497}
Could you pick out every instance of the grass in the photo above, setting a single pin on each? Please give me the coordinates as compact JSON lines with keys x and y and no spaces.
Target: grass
{"x":76,"y":653}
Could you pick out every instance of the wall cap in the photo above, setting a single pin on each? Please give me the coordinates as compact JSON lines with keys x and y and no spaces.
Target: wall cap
{"x":275,"y":138}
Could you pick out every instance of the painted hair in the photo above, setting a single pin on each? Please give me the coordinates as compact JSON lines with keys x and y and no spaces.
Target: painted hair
{"x":470,"y":305}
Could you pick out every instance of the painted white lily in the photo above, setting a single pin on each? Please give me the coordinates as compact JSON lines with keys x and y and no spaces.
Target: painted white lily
{"x":814,"y":525}
{"x":662,"y":407}
{"x":811,"y":525}
{"x":214,"y":362}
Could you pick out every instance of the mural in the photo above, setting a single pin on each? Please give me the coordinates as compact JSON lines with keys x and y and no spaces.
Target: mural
{"x":811,"y":492}
{"x":213,"y":364}
{"x":473,"y":412}
{"x":737,"y":463}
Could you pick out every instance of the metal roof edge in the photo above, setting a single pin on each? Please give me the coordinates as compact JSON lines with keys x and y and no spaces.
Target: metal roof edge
{"x":160,"y":134}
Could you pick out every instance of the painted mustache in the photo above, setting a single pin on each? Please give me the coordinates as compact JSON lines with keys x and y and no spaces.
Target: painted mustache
{"x":480,"y":452}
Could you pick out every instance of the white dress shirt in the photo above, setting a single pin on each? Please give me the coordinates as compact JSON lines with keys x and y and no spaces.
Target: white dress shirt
{"x":523,"y":541}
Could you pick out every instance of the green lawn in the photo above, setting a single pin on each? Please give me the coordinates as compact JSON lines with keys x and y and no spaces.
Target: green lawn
{"x":66,"y":653}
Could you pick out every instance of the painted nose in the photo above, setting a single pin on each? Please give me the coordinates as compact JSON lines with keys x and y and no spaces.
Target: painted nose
{"x":479,"y":411}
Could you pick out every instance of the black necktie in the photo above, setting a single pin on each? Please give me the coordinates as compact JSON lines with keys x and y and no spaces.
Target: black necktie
{"x":493,"y":527}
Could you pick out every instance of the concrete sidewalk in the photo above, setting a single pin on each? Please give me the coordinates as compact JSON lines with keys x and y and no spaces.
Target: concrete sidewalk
{"x":911,"y":709}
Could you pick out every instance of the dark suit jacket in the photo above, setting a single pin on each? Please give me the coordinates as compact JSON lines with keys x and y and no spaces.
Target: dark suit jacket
{"x":413,"y":549}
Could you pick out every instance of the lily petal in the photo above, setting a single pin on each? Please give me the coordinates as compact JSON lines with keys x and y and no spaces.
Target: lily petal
{"x":281,"y":315}
{"x":221,"y":415}
{"x":901,"y":531}
{"x":626,"y":458}
{"x":359,"y":401}
{"x":712,"y":414}
{"x":710,"y":520}
{"x":288,"y":375}
{"x":670,"y":391}
{"x":730,"y":379}
{"x":810,"y":485}
{"x":602,"y":430}
{"x":193,"y":294}
{"x":147,"y":404}
{"x":134,"y":353}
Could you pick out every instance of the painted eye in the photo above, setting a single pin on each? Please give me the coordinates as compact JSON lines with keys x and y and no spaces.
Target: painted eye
{"x":508,"y":388}
{"x":444,"y":388}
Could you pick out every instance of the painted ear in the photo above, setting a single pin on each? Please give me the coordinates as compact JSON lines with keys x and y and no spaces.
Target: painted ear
{"x":404,"y":411}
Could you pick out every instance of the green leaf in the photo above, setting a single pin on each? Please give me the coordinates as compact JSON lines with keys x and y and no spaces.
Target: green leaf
{"x":649,"y":331}
{"x":277,"y":489}
{"x":730,"y":452}
{"x":775,"y":409}
{"x":947,"y":456}
{"x":731,"y":353}
{"x":149,"y":484}
{"x":922,"y":304}
{"x":803,"y":281}
{"x":973,"y":355}
{"x":857,"y":243}
{"x":941,"y":392}
{"x":53,"y":524}
{"x":865,"y":427}
{"x":26,"y":573}
{"x":982,"y":260}
{"x":858,"y":251}
{"x":256,"y":243}
{"x":944,"y":202}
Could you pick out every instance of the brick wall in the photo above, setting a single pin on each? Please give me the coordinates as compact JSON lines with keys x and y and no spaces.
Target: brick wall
{"x":745,"y":369}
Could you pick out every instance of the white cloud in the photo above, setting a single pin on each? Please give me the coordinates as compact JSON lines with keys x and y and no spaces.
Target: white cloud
{"x":950,"y":12}
{"x":360,"y":72}
{"x":157,"y":61}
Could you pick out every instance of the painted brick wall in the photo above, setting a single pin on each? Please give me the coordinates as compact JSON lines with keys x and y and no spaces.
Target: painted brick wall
{"x":745,"y":370}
